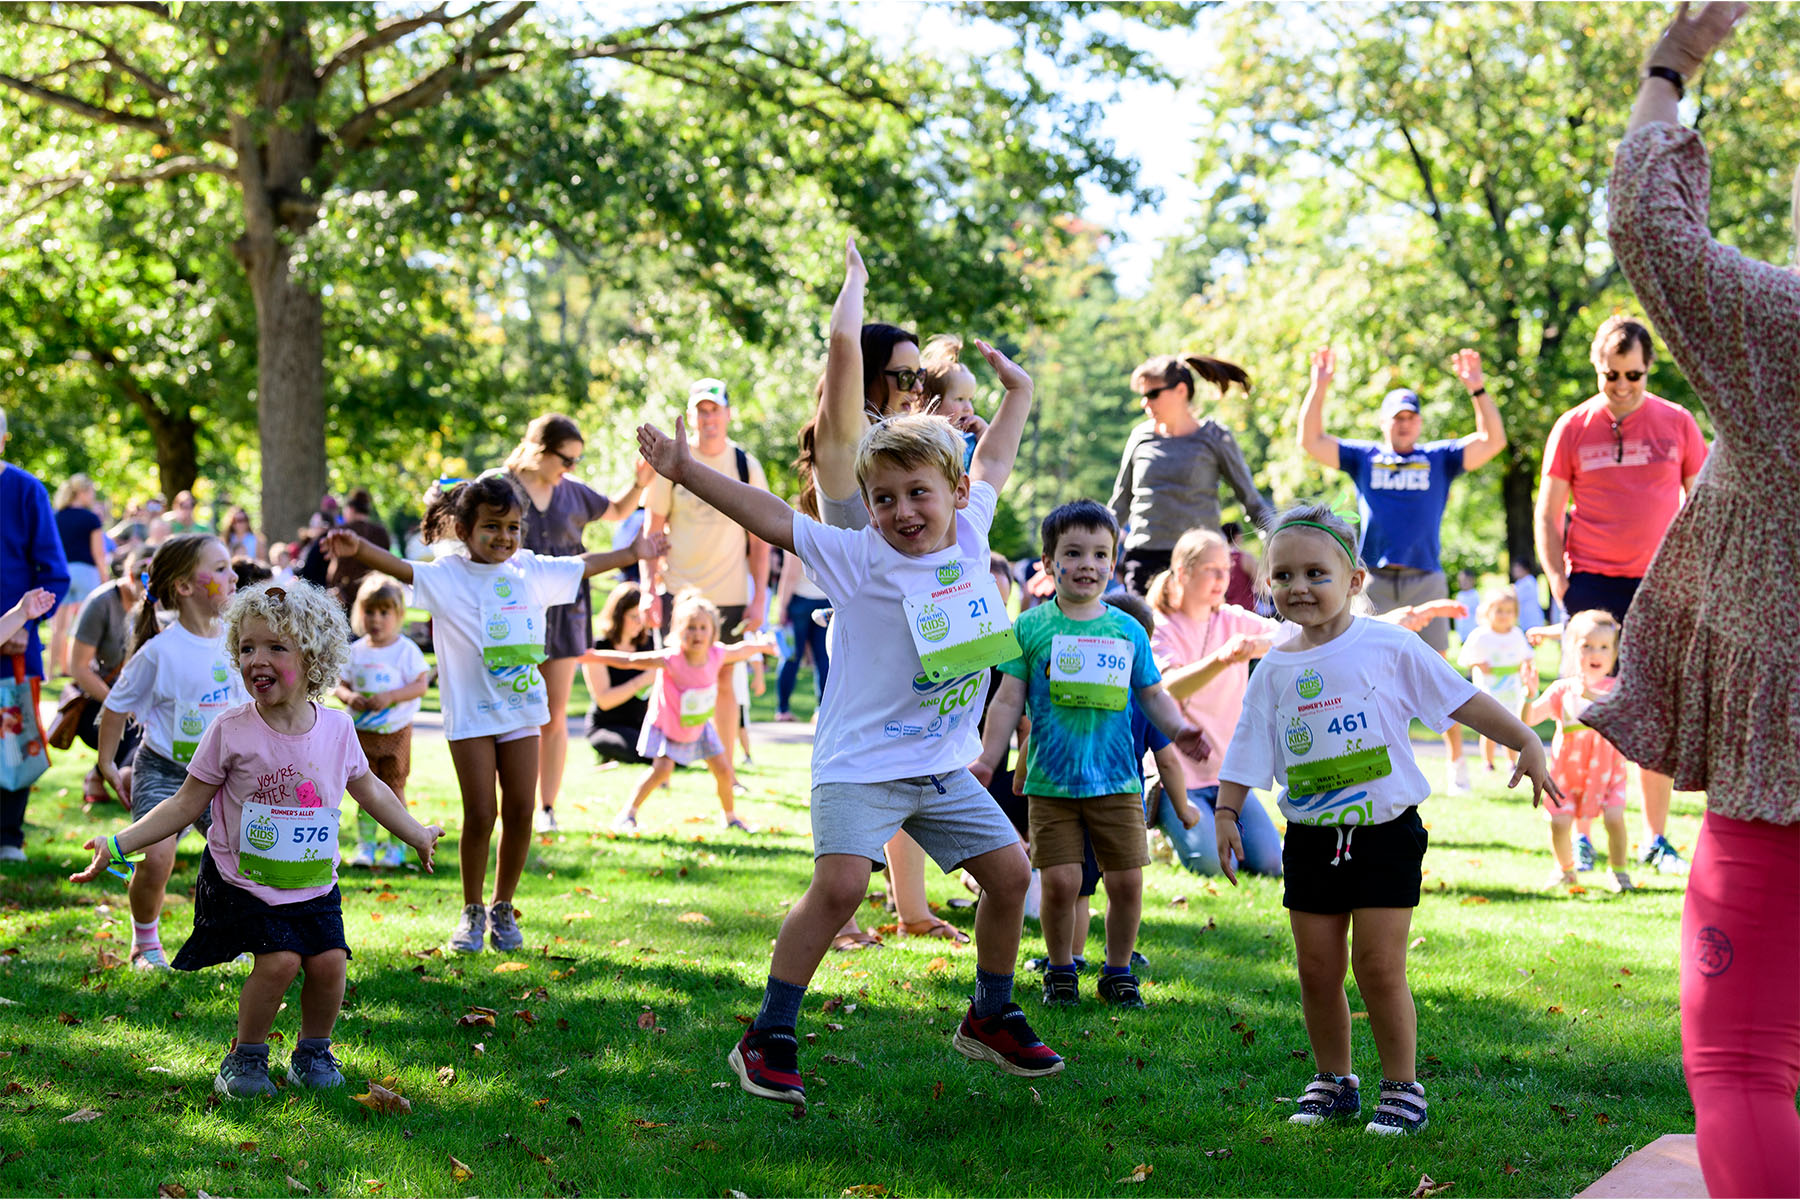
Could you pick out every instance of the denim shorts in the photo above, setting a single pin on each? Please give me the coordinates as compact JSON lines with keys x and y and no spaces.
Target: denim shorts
{"x":153,"y":780}
{"x":951,"y":816}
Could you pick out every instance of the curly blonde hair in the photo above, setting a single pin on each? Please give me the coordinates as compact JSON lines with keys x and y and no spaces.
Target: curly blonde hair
{"x":309,"y":616}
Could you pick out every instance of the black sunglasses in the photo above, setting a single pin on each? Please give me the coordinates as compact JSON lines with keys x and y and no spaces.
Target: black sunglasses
{"x":1613,"y":376}
{"x":567,"y":462}
{"x":906,"y":378}
{"x":1154,"y":392}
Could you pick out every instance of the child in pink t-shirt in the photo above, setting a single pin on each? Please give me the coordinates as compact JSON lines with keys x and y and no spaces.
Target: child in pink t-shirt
{"x":273,"y":773}
{"x":1203,"y":646}
{"x":1588,"y":768}
{"x":679,"y":728}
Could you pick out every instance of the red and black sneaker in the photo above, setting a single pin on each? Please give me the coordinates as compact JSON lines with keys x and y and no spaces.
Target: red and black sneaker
{"x":1005,"y":1039}
{"x":767,"y":1062}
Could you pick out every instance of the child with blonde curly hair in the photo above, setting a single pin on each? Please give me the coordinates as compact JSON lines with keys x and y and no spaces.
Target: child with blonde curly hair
{"x":273,"y":773}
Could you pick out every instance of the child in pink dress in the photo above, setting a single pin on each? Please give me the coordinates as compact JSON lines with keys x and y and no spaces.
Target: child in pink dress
{"x":1588,"y":768}
{"x":679,"y":727}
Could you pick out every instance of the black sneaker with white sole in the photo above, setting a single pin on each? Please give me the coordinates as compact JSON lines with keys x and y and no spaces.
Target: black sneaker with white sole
{"x":1401,"y":1110}
{"x":1121,"y":990}
{"x":1062,"y":988}
{"x":1329,"y":1098}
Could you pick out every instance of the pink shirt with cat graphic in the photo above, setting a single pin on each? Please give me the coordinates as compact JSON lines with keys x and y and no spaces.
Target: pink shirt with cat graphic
{"x":289,"y":773}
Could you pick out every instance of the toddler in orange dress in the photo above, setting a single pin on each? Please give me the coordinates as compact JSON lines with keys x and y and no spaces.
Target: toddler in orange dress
{"x":1588,"y":768}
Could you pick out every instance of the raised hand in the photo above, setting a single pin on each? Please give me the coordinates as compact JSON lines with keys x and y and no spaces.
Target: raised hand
{"x":643,"y":473}
{"x":1528,"y":676}
{"x":1012,"y":376}
{"x":1690,"y":39}
{"x":853,"y":263}
{"x":340,"y":543}
{"x":1466,"y":365}
{"x":668,"y":454}
{"x":1324,"y":367}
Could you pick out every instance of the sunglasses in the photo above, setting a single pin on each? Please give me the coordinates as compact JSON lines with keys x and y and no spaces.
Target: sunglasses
{"x":906,"y":378}
{"x":1613,"y":376}
{"x":1154,"y":392}
{"x":567,"y":462}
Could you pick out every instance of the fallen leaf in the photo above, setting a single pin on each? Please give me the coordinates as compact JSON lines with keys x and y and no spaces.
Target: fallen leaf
{"x":937,"y":1090}
{"x":374,"y":1185}
{"x":476,"y":1018}
{"x":1430,"y":1187}
{"x":80,"y":1116}
{"x":541,"y":1104}
{"x":383,"y":1100}
{"x":936,"y":965}
{"x":1624,"y":970}
{"x":459,"y":1170}
{"x":1508,"y":1169}
{"x":247,"y":1147}
{"x":478,"y":1049}
{"x":1554,"y":1008}
{"x":575,"y":1122}
{"x":1416,"y":943}
{"x":1599,"y":1119}
{"x":446,"y":1075}
{"x":832,"y":1005}
{"x":68,"y":1018}
{"x":294,"y":1185}
{"x":525,"y":1015}
{"x":172,"y":1191}
{"x":374,"y":916}
{"x":864,"y":1189}
{"x":646,"y":1123}
{"x":646,"y":1020}
{"x":1138,"y":1174}
{"x":694,"y":918}
{"x":833,"y":1028}
{"x":706,"y":1145}
{"x":386,"y":896}
{"x":507,"y":967}
{"x":1472,"y":900}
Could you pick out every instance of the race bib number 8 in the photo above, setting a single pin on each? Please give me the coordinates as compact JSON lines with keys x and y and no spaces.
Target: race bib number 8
{"x":961,"y":627}
{"x":1090,"y":672}
{"x":288,"y":847}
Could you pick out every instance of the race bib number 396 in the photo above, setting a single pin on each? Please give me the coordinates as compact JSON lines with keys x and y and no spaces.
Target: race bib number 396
{"x":1090,"y":672}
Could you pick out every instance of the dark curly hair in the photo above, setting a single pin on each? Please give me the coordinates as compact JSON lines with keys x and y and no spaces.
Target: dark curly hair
{"x":453,"y":508}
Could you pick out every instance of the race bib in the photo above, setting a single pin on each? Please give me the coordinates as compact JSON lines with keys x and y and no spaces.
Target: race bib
{"x":286,"y":847}
{"x":1090,"y":672}
{"x":1330,"y":742}
{"x":195,"y":717}
{"x":961,"y":626}
{"x":697,"y":705}
{"x":512,"y":630}
{"x":372,"y":680}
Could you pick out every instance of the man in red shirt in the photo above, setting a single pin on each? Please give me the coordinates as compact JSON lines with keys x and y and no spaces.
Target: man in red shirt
{"x":1627,"y":460}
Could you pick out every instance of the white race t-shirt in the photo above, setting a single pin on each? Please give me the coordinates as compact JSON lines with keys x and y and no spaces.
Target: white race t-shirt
{"x":373,"y":669}
{"x":177,"y":685}
{"x":882,"y":718}
{"x":1496,"y":658}
{"x":492,"y":613}
{"x":1331,"y":724}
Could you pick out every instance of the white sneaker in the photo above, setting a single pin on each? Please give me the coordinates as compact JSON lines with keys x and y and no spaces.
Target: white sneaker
{"x":12,"y":854}
{"x":546,"y":820}
{"x":1456,"y":779}
{"x":362,"y":856}
{"x":1034,"y":896}
{"x":393,"y":855}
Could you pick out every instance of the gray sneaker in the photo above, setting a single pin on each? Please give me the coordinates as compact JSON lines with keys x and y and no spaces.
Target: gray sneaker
{"x":503,"y":926}
{"x":471,"y":929}
{"x":245,"y":1072}
{"x":313,"y":1065}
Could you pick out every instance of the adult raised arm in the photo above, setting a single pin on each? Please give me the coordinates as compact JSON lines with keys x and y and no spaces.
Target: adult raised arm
{"x":841,"y":417}
{"x":1489,"y":437}
{"x":1319,"y":445}
{"x":998,"y":448}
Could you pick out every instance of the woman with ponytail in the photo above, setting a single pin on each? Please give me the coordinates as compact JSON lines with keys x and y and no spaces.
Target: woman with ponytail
{"x":176,"y":681}
{"x":1173,"y":464}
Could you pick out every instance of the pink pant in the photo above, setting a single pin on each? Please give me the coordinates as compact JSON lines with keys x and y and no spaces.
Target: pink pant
{"x":1740,"y":1005}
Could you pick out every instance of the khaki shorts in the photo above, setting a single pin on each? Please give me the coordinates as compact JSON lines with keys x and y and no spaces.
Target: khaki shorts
{"x":1115,"y":824}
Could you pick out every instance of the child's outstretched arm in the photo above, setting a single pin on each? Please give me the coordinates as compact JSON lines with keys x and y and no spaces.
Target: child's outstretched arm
{"x":756,"y":510}
{"x":1533,"y":708}
{"x":1166,"y":715}
{"x":840,"y":421}
{"x":1537,"y":635}
{"x":31,"y":606}
{"x":1227,"y":810}
{"x":345,"y":543}
{"x":1488,"y":717}
{"x":1003,"y":713}
{"x":648,"y":660}
{"x":999,"y":446}
{"x":165,"y":820}
{"x":749,"y":648}
{"x":645,"y":546}
{"x":379,"y":801}
{"x":1172,"y":778}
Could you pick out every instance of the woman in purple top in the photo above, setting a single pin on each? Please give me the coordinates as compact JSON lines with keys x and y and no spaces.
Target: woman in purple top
{"x":557,"y":509}
{"x":1707,"y":693}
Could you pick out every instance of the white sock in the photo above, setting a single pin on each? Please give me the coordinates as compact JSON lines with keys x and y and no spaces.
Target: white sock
{"x":144,"y":936}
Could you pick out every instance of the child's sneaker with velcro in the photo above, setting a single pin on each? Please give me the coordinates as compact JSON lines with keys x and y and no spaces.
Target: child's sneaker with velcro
{"x":1061,"y":988}
{"x":1006,"y":1040}
{"x":245,"y":1072}
{"x":1329,"y":1098}
{"x":313,"y":1065}
{"x":767,"y":1062}
{"x":1401,"y":1110}
{"x":503,"y":926}
{"x":1120,"y":989}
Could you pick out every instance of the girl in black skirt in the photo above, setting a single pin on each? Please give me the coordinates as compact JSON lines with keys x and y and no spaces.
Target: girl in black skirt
{"x":273,"y":773}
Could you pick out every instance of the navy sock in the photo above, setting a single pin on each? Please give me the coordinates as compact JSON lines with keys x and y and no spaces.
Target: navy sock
{"x":1110,"y":970}
{"x":1068,"y":966}
{"x":780,"y":1006}
{"x":992,"y":992}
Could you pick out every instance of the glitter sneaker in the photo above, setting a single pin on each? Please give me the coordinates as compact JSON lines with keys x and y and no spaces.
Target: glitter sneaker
{"x":313,"y":1065}
{"x":471,"y":930}
{"x":244,"y":1073}
{"x":1401,"y":1110}
{"x":503,"y":926}
{"x":1329,"y":1098}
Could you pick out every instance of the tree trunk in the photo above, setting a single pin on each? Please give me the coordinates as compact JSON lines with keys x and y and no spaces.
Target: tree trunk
{"x":1517,"y":487}
{"x":177,"y":456}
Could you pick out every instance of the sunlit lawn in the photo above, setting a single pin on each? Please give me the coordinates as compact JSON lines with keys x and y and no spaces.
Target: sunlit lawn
{"x":1548,"y":1026}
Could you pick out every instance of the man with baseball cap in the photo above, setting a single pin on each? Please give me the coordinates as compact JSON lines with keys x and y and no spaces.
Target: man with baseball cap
{"x":707,"y":549}
{"x":1402,"y":486}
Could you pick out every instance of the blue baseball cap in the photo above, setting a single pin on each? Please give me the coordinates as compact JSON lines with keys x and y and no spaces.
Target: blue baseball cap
{"x":1398,"y":401}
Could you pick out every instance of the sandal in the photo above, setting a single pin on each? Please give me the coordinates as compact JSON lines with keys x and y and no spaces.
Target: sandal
{"x":934,"y":927}
{"x":860,"y":940}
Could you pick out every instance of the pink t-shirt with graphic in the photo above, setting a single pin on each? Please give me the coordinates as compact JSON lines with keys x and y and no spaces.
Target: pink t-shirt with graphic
{"x":250,"y":762}
{"x":1624,"y":482}
{"x":686,"y":695}
{"x":1181,"y":641}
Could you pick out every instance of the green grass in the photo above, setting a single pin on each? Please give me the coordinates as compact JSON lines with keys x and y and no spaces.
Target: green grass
{"x":1547,"y":1028}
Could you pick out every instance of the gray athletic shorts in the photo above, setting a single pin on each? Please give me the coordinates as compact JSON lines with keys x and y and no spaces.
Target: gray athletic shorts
{"x":1394,"y":589}
{"x":153,"y":780}
{"x":951,"y":816}
{"x":844,"y":514}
